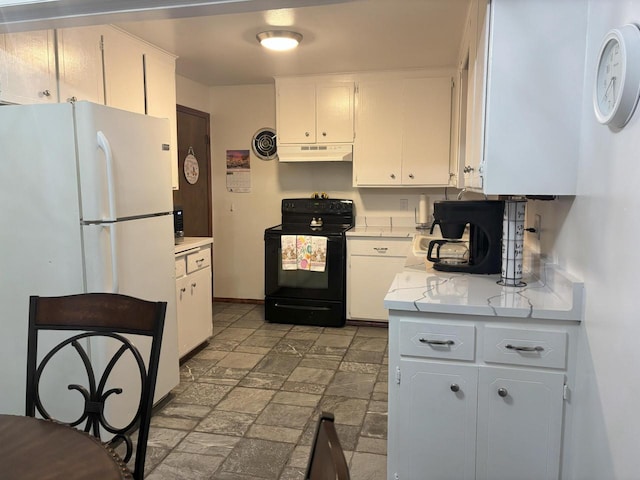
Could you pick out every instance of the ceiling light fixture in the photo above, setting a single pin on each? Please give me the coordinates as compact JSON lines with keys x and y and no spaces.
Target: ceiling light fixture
{"x":279,"y":39}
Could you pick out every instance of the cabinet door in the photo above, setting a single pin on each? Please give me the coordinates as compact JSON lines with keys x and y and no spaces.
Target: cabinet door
{"x":519,"y":424}
{"x":160,"y":82}
{"x":296,"y":113}
{"x":334,"y":112}
{"x":479,"y":37}
{"x":123,"y":71}
{"x":437,"y":415}
{"x":378,"y":144}
{"x":426,"y":125}
{"x":80,"y":64}
{"x":28,"y":62}
{"x":195,"y":317}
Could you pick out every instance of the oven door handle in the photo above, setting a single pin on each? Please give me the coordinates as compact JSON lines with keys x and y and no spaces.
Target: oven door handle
{"x":302,"y":307}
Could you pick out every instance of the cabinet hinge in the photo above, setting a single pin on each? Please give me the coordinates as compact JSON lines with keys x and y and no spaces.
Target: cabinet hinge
{"x":101,"y":43}
{"x":566,"y":392}
{"x":355,"y":88}
{"x":207,"y":140}
{"x":398,"y":375}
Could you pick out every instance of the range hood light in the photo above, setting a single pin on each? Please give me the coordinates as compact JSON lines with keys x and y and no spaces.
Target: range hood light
{"x":279,"y":39}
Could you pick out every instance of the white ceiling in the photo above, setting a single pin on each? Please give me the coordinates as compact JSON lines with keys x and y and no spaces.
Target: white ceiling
{"x":360,"y":35}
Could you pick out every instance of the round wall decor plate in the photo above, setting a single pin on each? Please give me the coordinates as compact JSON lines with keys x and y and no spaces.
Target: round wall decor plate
{"x":191,"y":169}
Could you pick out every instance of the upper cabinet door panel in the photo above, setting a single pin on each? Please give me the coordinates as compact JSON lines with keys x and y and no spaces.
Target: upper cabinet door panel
{"x":296,"y":113}
{"x":28,"y":61}
{"x":80,"y":64}
{"x":426,"y":140}
{"x":123,"y":71}
{"x":334,"y":105}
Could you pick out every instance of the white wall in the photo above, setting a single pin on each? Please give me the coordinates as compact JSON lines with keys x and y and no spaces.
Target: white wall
{"x":241,"y":218}
{"x":595,"y":235}
{"x":192,"y":94}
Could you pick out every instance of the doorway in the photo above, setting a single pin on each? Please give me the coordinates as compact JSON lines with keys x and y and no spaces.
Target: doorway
{"x":194,"y":195}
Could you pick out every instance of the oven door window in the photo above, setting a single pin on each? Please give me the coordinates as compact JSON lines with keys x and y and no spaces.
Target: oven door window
{"x":327,"y":285}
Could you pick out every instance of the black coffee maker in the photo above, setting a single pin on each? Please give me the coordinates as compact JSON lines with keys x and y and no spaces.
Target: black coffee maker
{"x":484,"y":218}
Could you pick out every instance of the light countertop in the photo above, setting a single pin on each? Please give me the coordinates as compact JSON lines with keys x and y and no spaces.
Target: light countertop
{"x":381,"y":231}
{"x":190,"y":243}
{"x":550,"y":294}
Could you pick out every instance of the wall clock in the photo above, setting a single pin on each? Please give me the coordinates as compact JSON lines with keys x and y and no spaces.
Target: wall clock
{"x":617,"y":85}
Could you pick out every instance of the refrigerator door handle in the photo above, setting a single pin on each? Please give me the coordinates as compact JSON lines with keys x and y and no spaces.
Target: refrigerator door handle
{"x":115,"y":283}
{"x":105,"y":146}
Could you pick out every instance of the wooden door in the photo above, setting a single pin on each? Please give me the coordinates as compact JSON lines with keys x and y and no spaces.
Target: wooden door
{"x":194,"y":198}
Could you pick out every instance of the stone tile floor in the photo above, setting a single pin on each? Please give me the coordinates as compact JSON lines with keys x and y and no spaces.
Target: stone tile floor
{"x":247,"y":404}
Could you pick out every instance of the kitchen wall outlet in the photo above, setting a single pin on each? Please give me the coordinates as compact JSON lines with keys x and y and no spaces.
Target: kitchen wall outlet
{"x":537,"y":224}
{"x":404,"y":204}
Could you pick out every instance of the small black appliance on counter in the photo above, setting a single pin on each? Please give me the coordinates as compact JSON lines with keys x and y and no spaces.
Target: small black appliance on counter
{"x":484,"y":218}
{"x":178,"y":225}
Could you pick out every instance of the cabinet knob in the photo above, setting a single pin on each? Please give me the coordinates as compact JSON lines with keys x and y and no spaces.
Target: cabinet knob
{"x":455,"y":387}
{"x":324,"y":134}
{"x":468,"y":169}
{"x":393,"y":175}
{"x":72,"y":99}
{"x":411,"y":176}
{"x":306,"y":134}
{"x":46,"y":93}
{"x":503,"y":392}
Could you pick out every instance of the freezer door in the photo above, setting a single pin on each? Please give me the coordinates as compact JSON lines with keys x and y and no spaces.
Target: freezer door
{"x":124,"y":163}
{"x":136,"y":258}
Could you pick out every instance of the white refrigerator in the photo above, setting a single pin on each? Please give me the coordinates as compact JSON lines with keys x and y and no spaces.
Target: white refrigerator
{"x":86,"y":206}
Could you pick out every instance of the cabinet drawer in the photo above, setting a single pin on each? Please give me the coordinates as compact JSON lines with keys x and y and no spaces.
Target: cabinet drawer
{"x":383,"y":247}
{"x":198,"y":260}
{"x":537,"y":348}
{"x":181,"y":267}
{"x":434,"y":340}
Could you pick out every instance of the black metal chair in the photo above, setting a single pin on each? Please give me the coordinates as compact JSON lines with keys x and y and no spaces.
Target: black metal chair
{"x":98,"y":315}
{"x":327,"y":461}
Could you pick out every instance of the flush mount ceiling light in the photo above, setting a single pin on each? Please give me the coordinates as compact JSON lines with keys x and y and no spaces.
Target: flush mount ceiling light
{"x":279,"y":39}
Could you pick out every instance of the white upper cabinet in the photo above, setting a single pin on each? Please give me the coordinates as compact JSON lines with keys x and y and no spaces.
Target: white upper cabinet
{"x":80,"y":64}
{"x":160,"y":88}
{"x":314,"y":110}
{"x":403,"y":131}
{"x":123,"y":71}
{"x":525,"y":91}
{"x":28,"y":67}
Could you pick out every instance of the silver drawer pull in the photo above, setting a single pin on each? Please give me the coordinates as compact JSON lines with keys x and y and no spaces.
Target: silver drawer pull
{"x":503,"y":392}
{"x":437,"y":342}
{"x":524,"y":349}
{"x":455,"y":388}
{"x":381,"y":249}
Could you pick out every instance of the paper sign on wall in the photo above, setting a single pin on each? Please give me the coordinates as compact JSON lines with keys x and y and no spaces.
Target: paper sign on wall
{"x":238,"y":171}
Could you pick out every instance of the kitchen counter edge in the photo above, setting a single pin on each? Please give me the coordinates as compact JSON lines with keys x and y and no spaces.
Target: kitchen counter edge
{"x":190,"y":243}
{"x":550,"y":294}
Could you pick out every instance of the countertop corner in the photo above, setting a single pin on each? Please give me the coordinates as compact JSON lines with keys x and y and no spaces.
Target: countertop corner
{"x":189,"y":243}
{"x":550,"y":294}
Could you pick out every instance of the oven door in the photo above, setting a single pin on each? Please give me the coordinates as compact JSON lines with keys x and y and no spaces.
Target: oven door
{"x":304,"y":284}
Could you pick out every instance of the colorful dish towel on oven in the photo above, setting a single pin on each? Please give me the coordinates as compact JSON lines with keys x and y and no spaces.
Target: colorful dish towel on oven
{"x":318,"y":254}
{"x":303,"y":243}
{"x":289,"y":252}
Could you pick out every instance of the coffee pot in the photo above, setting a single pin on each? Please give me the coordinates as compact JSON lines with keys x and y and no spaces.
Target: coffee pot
{"x":450,"y":252}
{"x":482,"y":252}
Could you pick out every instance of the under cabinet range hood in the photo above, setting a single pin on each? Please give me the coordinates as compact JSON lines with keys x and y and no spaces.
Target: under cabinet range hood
{"x":316,"y":153}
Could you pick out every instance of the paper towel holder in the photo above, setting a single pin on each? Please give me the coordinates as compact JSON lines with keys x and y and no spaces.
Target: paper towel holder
{"x":421,"y":214}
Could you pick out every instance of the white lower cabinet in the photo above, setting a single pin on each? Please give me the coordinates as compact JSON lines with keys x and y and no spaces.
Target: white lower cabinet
{"x":372,"y":264}
{"x":453,"y":415}
{"x":193,"y":296}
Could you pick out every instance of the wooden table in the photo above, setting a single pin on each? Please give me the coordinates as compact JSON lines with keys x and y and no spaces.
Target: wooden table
{"x":34,"y":449}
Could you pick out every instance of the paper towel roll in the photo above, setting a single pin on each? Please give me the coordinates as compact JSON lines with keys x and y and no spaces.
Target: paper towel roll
{"x":423,"y":210}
